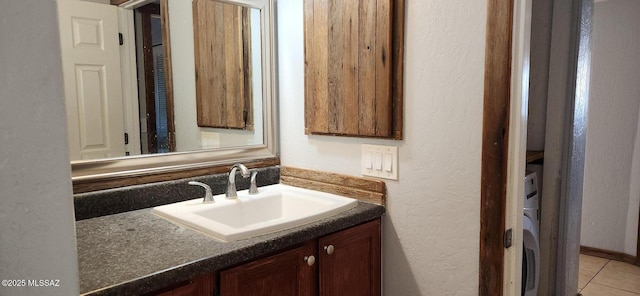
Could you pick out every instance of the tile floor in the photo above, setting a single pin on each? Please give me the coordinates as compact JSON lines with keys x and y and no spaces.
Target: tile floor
{"x":604,"y":277}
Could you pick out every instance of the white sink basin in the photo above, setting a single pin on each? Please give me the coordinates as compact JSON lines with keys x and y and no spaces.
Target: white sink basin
{"x":274,"y":208}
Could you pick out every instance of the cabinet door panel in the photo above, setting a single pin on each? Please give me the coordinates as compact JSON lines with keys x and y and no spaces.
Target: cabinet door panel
{"x":223,"y":64}
{"x":283,"y":274}
{"x":201,"y":286}
{"x":350,"y":51}
{"x":353,"y":267}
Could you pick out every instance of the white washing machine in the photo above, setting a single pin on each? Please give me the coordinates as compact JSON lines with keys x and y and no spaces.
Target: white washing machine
{"x":531,"y":242}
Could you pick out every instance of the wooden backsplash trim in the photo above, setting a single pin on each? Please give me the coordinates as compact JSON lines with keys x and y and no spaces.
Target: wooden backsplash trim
{"x":336,"y":179}
{"x":138,"y":180}
{"x":368,"y":196}
{"x":373,"y":191}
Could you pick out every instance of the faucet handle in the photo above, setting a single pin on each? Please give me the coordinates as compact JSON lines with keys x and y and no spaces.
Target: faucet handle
{"x":208,"y":196}
{"x":253,"y":189}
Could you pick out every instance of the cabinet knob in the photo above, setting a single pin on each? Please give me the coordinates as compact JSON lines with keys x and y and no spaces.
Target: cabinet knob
{"x":329,"y":249}
{"x":310,"y":260}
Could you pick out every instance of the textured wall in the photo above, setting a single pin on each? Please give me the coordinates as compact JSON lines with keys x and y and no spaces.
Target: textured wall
{"x":36,"y":206}
{"x":431,"y":230}
{"x":612,"y":177}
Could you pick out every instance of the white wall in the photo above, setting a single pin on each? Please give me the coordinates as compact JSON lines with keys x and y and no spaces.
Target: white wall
{"x":36,"y":203}
{"x":431,"y":230}
{"x":612,"y":168}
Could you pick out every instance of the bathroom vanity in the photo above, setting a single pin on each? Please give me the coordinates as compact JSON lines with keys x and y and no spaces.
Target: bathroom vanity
{"x":136,"y":252}
{"x":139,"y":253}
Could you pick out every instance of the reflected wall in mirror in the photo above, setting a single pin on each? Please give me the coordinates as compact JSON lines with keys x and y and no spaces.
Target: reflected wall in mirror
{"x":140,"y":97}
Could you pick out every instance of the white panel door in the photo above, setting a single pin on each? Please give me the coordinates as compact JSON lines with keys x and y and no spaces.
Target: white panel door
{"x":91,"y":69}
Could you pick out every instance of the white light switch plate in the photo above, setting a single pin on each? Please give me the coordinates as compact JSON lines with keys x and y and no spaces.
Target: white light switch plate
{"x":380,"y":161}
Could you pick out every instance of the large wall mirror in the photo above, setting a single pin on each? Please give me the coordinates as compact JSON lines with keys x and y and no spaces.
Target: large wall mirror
{"x":194,"y":85}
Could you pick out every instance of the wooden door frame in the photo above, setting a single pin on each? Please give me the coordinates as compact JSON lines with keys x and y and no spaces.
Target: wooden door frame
{"x":495,"y":162}
{"x":495,"y":145}
{"x":147,"y":12}
{"x":168,"y":74}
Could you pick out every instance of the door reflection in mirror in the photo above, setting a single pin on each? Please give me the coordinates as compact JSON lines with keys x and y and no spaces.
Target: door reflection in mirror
{"x":156,"y":135}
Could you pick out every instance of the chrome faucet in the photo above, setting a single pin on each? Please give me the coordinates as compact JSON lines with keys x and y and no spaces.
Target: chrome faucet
{"x":231,"y":183}
{"x":208,"y":196}
{"x":253,"y":188}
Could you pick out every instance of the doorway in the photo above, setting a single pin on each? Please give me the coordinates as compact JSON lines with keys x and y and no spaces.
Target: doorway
{"x":568,"y":85}
{"x":611,"y":191}
{"x":156,"y":113}
{"x":565,"y":136}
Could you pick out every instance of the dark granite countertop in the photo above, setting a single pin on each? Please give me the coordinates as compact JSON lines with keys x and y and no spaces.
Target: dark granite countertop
{"x":138,"y":252}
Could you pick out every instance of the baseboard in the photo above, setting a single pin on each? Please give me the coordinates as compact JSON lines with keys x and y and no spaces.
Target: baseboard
{"x":612,"y":255}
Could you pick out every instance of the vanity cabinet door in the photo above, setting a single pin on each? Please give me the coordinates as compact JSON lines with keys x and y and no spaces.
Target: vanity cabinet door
{"x":349,"y":261}
{"x":200,"y":286}
{"x":290,"y":273}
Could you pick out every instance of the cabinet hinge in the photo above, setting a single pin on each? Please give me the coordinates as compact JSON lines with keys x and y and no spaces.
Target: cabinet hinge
{"x":126,"y":138}
{"x":508,"y":238}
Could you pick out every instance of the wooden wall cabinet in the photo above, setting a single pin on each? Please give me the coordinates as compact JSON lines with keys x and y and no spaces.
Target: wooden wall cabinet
{"x":222,"y":41}
{"x":354,"y":67}
{"x":344,"y":263}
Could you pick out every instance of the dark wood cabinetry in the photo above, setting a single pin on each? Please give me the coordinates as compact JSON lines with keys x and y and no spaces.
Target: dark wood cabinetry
{"x":286,"y":273}
{"x":343,"y":263}
{"x":200,"y":286}
{"x":349,"y":261}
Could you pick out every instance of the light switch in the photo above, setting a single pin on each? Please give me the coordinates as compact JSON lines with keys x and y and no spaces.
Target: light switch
{"x":367,"y":160}
{"x":377,"y":161}
{"x":387,"y":162}
{"x":380,"y":161}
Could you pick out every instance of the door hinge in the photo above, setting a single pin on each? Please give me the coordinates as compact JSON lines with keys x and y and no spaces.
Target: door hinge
{"x":121,"y":38}
{"x":126,"y":138}
{"x":508,"y":238}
